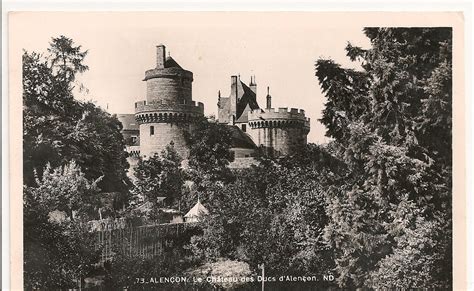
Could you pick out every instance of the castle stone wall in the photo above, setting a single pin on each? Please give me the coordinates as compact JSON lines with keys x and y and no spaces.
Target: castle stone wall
{"x":132,"y":159}
{"x":281,"y":141}
{"x":169,"y":111}
{"x":280,"y":114}
{"x":170,"y":89}
{"x":280,"y":131}
{"x":243,"y":152}
{"x":164,"y":133}
{"x":142,"y":108}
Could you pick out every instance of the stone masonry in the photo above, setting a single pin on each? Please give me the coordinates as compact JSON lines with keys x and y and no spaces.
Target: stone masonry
{"x":168,"y":113}
{"x":276,"y":131}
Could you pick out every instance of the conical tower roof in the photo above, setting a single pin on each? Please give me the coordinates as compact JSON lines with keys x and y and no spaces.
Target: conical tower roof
{"x":171,"y":63}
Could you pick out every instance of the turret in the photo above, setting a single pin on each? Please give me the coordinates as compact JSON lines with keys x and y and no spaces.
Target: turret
{"x":168,"y":82}
{"x":279,"y":131}
{"x":253,"y":84}
{"x":168,"y":112}
{"x":269,"y":99}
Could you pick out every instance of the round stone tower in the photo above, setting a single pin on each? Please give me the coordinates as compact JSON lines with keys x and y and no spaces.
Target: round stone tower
{"x":168,"y":112}
{"x":280,"y":132}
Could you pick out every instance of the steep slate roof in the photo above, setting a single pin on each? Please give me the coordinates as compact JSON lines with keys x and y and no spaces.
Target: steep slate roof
{"x":128,"y":121}
{"x":171,"y":63}
{"x":197,"y":211}
{"x":244,"y":117}
{"x":248,"y":98}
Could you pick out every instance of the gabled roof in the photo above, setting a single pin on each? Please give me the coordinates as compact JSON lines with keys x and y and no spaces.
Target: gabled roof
{"x":248,"y":98}
{"x":197,"y":211}
{"x":244,"y":116}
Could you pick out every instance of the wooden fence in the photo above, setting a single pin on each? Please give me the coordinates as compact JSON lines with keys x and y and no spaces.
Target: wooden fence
{"x":145,"y":241}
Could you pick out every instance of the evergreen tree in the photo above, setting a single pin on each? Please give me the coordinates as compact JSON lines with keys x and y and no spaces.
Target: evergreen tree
{"x":391,"y":124}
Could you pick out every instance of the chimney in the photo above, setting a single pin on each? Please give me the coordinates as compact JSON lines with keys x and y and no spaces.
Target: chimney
{"x":233,"y":96}
{"x":253,"y":85}
{"x":233,"y":86}
{"x":160,"y":56}
{"x":269,"y":98}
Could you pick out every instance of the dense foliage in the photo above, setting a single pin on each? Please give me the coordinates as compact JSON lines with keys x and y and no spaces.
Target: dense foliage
{"x":390,"y":214}
{"x":372,"y":207}
{"x":160,"y":176}
{"x":65,"y":189}
{"x":73,"y":152}
{"x":57,"y":128}
{"x":210,"y":154}
{"x":273,"y":213}
{"x":58,"y":250}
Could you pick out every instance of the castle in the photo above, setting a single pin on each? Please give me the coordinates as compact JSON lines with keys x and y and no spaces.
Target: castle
{"x":169,"y":112}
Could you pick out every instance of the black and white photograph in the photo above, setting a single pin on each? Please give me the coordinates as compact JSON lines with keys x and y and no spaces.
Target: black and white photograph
{"x":236,"y":150}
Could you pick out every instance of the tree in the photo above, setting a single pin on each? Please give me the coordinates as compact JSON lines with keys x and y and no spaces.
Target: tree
{"x":58,"y":253}
{"x":58,"y":128}
{"x":273,"y":213}
{"x":123,"y":270}
{"x":160,"y":176}
{"x":66,"y":59}
{"x":391,"y":124}
{"x":66,"y":189}
{"x":72,"y":152}
{"x":210,"y":153}
{"x":222,"y":269}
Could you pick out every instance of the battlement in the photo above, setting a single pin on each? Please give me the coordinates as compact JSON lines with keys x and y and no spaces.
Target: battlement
{"x":295,"y":112}
{"x":163,"y":105}
{"x":164,"y":112}
{"x":281,"y":117}
{"x":281,"y":113}
{"x":133,"y":151}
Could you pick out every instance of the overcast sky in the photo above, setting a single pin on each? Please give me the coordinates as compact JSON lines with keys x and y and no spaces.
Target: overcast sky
{"x":280,"y":49}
